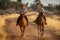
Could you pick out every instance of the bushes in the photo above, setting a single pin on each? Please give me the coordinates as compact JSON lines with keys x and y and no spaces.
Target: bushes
{"x":7,"y":11}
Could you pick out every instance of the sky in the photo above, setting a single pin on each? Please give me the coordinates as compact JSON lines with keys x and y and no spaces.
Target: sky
{"x":44,"y":2}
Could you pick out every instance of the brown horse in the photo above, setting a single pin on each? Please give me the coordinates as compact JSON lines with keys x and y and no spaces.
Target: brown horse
{"x":40,"y":25}
{"x":22,"y":23}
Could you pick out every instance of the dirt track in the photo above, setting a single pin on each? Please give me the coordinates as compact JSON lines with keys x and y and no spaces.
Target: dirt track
{"x":31,"y":33}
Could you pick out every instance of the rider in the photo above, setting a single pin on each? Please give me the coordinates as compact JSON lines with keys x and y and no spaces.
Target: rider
{"x":41,"y":11}
{"x":22,"y":12}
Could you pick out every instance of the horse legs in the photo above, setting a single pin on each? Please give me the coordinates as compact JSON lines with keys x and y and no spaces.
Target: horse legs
{"x":23,"y":31}
{"x":42,"y":29}
{"x":38,"y":30}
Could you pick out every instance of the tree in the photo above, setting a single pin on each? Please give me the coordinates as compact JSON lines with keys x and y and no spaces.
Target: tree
{"x":37,"y":2}
{"x":27,"y":4}
{"x":50,"y":7}
{"x":19,"y":0}
{"x":57,"y":7}
{"x":4,"y":3}
{"x":8,"y":3}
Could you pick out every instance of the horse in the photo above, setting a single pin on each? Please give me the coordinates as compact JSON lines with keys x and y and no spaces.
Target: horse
{"x":40,"y":25}
{"x":22,"y":24}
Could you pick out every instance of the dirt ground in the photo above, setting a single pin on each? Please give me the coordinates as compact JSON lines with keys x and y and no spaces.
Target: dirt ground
{"x":10,"y":31}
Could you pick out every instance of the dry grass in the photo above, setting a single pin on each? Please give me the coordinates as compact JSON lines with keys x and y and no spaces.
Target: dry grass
{"x":52,"y":23}
{"x":3,"y":34}
{"x":1,"y":21}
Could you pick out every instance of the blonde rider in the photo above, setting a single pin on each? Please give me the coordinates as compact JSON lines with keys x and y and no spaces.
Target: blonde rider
{"x":22,"y":12}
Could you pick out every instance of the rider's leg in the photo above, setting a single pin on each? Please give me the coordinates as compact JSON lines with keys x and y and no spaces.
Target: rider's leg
{"x":38,"y":29}
{"x":27,"y":20}
{"x":23,"y":31}
{"x":42,"y":29}
{"x":37,"y":19}
{"x":45,"y":19}
{"x":18,"y":20}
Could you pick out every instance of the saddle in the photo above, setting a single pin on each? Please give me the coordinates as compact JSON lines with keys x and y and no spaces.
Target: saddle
{"x":39,"y":18}
{"x":20,"y":18}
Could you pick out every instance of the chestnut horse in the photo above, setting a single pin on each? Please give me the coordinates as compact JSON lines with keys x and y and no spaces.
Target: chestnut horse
{"x":40,"y":25}
{"x":22,"y":23}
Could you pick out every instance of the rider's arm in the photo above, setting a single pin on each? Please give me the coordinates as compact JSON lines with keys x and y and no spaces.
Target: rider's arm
{"x":43,"y":10}
{"x":25,"y":11}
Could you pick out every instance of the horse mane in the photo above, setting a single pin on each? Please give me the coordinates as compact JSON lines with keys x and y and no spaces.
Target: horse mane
{"x":39,"y":20}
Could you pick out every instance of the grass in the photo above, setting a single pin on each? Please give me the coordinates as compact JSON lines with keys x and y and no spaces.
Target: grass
{"x":52,"y":23}
{"x":55,"y":24}
{"x":3,"y":34}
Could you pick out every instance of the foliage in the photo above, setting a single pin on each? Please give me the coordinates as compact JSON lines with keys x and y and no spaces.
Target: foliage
{"x":53,"y":8}
{"x":35,"y":3}
{"x":4,"y":3}
{"x":57,"y":7}
{"x":8,"y":4}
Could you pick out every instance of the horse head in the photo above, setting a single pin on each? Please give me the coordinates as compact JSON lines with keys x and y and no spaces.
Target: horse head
{"x":22,"y":15}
